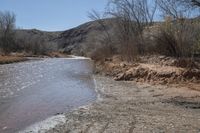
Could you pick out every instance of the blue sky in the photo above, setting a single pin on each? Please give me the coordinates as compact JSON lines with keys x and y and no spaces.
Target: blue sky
{"x":51,"y":15}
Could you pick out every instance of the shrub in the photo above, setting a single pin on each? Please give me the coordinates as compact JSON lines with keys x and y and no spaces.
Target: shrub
{"x":7,"y":34}
{"x":177,"y":38}
{"x":98,"y":47}
{"x":35,"y":45}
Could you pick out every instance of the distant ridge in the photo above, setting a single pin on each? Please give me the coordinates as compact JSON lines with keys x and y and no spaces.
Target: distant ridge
{"x":70,"y":41}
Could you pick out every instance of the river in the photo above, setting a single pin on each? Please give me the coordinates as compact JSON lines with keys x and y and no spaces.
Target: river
{"x":35,"y":90}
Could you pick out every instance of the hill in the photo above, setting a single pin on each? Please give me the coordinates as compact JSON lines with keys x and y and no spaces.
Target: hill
{"x":72,"y":41}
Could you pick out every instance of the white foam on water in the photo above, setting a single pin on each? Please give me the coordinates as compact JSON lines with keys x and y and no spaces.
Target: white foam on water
{"x":43,"y":126}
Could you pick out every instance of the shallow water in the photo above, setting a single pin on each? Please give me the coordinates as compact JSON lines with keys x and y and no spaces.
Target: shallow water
{"x":35,"y":90}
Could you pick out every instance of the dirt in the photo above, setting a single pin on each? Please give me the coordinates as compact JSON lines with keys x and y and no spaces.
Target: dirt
{"x":154,"y":70}
{"x":126,"y":107}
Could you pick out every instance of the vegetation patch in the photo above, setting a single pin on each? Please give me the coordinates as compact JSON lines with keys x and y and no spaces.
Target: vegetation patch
{"x":151,"y":69}
{"x":11,"y":59}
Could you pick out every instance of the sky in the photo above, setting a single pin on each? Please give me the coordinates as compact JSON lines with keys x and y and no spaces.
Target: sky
{"x":51,"y":15}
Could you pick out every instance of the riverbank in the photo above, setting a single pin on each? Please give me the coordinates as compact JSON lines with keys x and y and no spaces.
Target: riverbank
{"x":154,"y":70}
{"x":20,"y":57}
{"x":11,"y":59}
{"x":131,"y":107}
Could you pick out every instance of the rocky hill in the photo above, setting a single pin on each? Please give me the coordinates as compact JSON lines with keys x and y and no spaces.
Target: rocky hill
{"x":70,"y":41}
{"x":48,"y":36}
{"x":74,"y":40}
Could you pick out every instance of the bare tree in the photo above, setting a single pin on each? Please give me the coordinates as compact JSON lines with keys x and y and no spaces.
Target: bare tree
{"x":130,"y":18}
{"x":35,"y":45}
{"x":7,"y":34}
{"x":178,"y":34}
{"x":179,"y":9}
{"x":196,"y":2}
{"x":106,"y":37}
{"x":174,"y":8}
{"x":133,"y":17}
{"x":104,"y":46}
{"x":94,"y":15}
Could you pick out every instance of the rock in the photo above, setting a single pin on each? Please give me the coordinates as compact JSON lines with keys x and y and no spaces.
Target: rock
{"x":194,"y":79}
{"x":189,"y":74}
{"x":108,"y":59}
{"x":166,"y":74}
{"x":142,"y":72}
{"x":122,"y":65}
{"x":120,"y":77}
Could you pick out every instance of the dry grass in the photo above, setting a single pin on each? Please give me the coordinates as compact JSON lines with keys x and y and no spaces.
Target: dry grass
{"x":155,"y":70}
{"x":58,"y":55}
{"x":11,"y":59}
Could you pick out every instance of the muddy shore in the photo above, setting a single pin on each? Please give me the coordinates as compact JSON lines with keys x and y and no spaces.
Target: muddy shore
{"x":126,"y":107}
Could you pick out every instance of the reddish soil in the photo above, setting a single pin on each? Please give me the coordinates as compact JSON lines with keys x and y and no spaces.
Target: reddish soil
{"x":154,"y":70}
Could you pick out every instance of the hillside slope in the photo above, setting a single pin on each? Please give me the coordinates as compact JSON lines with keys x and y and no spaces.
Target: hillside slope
{"x":72,"y":41}
{"x":48,"y":36}
{"x":76,"y":39}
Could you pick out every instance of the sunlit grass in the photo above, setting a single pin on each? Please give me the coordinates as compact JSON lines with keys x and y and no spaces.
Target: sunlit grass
{"x":11,"y":59}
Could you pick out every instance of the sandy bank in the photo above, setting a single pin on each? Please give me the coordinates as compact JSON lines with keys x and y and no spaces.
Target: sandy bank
{"x":127,"y":107}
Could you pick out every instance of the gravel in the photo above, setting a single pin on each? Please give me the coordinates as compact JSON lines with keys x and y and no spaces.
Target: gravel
{"x":126,"y":107}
